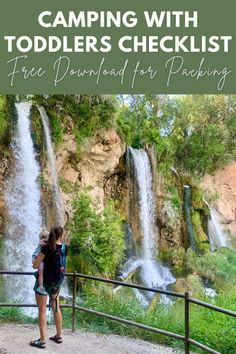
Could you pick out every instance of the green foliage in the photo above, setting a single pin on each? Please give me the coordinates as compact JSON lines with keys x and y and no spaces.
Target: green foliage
{"x":137,"y":123}
{"x":172,"y":205}
{"x":201,"y":131}
{"x":131,"y":127}
{"x":218,"y":267}
{"x":36,"y":128}
{"x":41,"y":179}
{"x":177,"y":258}
{"x":4,"y":119}
{"x":66,"y":186}
{"x":13,"y":314}
{"x":175,"y":199}
{"x":206,"y":326}
{"x":57,"y":128}
{"x":99,"y":234}
{"x":196,"y":197}
{"x":201,"y":237}
{"x":214,"y":329}
{"x":89,"y":114}
{"x":194,"y":132}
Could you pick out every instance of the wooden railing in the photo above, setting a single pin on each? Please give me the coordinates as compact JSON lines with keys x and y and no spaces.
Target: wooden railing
{"x":187,"y":340}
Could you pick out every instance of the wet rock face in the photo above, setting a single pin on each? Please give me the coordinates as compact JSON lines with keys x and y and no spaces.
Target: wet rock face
{"x":116,"y":186}
{"x":132,"y":203}
{"x":222,"y":187}
{"x":99,"y":166}
{"x":133,"y":210}
{"x":4,"y":172}
{"x":171,"y":225}
{"x":99,"y":162}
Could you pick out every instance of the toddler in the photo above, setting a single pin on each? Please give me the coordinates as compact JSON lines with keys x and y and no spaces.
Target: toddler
{"x":43,"y":239}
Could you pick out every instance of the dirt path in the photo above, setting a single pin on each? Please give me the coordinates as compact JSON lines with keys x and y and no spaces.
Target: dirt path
{"x":15,"y":339}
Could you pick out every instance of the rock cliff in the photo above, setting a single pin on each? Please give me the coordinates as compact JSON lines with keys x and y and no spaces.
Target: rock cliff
{"x":99,"y":166}
{"x":221,"y":191}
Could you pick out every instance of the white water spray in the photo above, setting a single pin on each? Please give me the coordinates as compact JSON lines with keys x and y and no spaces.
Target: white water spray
{"x":22,"y":196}
{"x":153,"y":273}
{"x":56,"y":190}
{"x":217,"y":237}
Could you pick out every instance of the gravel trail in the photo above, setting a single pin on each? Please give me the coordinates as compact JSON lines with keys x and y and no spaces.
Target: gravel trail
{"x":15,"y":339}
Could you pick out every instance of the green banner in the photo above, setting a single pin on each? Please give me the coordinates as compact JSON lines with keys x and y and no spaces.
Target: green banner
{"x":71,"y":46}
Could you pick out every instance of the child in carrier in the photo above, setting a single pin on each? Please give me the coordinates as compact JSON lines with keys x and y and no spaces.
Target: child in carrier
{"x":43,"y":237}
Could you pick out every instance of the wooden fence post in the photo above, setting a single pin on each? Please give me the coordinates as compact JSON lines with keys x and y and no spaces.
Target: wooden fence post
{"x":186,"y":323}
{"x":74,"y":302}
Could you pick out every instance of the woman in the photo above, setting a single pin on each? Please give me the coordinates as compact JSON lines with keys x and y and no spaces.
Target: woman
{"x":54,"y":257}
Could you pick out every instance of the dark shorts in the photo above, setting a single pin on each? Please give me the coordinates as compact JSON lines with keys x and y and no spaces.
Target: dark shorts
{"x":53,"y":289}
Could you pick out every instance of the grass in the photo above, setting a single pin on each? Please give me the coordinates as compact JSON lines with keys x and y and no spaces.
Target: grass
{"x":14,"y":315}
{"x":213,"y":329}
{"x":206,"y":326}
{"x":218,"y":267}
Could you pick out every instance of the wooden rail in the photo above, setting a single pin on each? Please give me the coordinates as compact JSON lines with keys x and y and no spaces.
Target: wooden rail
{"x":187,"y":340}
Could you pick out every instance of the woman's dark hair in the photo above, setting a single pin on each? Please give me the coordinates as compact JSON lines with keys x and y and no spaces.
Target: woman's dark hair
{"x":54,"y":235}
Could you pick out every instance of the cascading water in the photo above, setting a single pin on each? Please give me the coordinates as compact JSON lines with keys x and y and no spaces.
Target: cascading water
{"x":65,"y":292}
{"x":56,"y":190}
{"x":22,"y":197}
{"x":152,"y":272}
{"x":217,"y":237}
{"x":187,"y":206}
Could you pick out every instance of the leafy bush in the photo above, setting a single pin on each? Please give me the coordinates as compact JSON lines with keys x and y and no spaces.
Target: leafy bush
{"x":4,"y":119}
{"x":89,"y":114}
{"x":194,"y":132}
{"x":99,"y":234}
{"x":218,"y":266}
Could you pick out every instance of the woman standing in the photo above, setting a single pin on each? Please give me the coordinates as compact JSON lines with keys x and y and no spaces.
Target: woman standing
{"x":54,"y":257}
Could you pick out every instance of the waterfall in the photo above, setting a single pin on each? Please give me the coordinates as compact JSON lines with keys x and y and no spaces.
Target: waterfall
{"x":146,"y":203}
{"x":187,"y":206}
{"x":22,"y":197}
{"x":152,"y":272}
{"x":65,"y":291}
{"x":56,"y":190}
{"x":217,"y":237}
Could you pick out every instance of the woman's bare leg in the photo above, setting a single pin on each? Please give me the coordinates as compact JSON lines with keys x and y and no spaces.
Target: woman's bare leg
{"x":57,"y":315}
{"x":42,"y":319}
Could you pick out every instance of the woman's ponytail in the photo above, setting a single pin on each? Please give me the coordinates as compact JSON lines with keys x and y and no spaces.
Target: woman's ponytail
{"x":54,"y":235}
{"x":52,"y":239}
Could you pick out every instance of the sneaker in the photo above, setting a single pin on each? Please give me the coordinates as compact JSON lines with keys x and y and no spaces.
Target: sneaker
{"x":41,"y":290}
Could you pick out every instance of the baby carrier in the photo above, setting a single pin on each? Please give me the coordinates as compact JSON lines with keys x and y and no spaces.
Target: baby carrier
{"x":55,"y":275}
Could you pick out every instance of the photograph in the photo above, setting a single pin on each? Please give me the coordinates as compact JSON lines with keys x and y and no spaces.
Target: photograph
{"x":118,"y":177}
{"x":123,"y":207}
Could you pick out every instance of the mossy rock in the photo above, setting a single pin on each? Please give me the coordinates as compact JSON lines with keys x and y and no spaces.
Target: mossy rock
{"x":205,"y":246}
{"x":8,"y":119}
{"x":199,"y":233}
{"x":176,"y":257}
{"x":195,"y":286}
{"x":180,"y":286}
{"x":192,"y":284}
{"x":153,"y":304}
{"x":197,"y":199}
{"x":36,"y":128}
